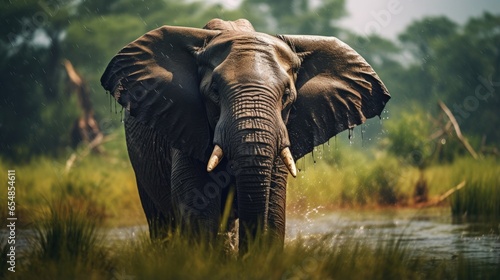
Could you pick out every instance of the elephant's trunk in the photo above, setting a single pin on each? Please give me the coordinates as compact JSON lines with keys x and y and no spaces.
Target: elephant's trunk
{"x":253,"y":180}
{"x":253,"y":146}
{"x":285,"y":154}
{"x":251,"y":135}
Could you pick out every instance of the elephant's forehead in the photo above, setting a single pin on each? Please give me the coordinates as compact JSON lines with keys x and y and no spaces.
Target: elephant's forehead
{"x":248,"y":38}
{"x":230,"y":43}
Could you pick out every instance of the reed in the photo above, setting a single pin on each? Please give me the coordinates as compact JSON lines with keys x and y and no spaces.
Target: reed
{"x":65,"y":244}
{"x":303,"y":258}
{"x":480,"y":198}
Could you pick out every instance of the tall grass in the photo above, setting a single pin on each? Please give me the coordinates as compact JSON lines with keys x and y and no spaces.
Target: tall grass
{"x":107,"y":180}
{"x":301,"y":259}
{"x":69,"y":247}
{"x":339,"y":175}
{"x":67,"y":209}
{"x":349,"y":178}
{"x":481,"y":195}
{"x":65,"y":245}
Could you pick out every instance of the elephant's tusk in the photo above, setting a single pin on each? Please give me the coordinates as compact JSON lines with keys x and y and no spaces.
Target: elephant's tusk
{"x":215,"y":158}
{"x":287,"y":158}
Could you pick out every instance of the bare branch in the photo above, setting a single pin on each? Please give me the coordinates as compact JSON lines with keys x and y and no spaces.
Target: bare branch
{"x":460,"y":137}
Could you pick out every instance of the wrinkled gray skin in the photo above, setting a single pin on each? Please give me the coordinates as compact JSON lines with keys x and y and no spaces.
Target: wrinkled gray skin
{"x":186,"y":90}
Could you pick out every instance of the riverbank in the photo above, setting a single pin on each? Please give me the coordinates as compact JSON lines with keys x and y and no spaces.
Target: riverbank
{"x":355,"y":245}
{"x":334,"y":179}
{"x":98,"y":194}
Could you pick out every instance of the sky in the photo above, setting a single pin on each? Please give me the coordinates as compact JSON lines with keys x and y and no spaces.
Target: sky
{"x":390,"y":17}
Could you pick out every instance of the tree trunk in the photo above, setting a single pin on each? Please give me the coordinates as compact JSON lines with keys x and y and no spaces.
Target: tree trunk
{"x":86,"y":128}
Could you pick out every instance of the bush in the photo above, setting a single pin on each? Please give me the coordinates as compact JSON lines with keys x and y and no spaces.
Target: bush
{"x":407,"y":137}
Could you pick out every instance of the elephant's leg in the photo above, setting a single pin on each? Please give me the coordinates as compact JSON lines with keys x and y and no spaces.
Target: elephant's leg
{"x":196,"y":196}
{"x":277,"y":202}
{"x":159,"y":224}
{"x":150,"y":157}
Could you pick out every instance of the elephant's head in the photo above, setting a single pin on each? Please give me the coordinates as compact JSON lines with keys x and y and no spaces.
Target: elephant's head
{"x":251,"y":97}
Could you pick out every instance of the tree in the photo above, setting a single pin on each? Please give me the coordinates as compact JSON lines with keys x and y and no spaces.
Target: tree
{"x":297,"y":16}
{"x":36,"y":111}
{"x":31,"y":115}
{"x":421,"y":38}
{"x":460,"y":66}
{"x":471,"y":85}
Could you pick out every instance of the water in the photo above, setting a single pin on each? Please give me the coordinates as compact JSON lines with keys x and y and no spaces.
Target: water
{"x":428,"y":232}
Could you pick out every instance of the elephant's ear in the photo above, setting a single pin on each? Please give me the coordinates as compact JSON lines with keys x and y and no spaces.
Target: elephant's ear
{"x":155,"y":78}
{"x":336,"y":90}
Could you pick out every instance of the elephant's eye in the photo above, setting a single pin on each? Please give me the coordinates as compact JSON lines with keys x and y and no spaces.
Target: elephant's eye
{"x":286,"y":97}
{"x":214,"y":93}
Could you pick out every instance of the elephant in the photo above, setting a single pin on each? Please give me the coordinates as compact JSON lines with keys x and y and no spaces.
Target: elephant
{"x":216,"y":117}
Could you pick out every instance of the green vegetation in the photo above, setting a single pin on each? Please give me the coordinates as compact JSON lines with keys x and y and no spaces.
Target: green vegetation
{"x":67,"y":245}
{"x":481,"y":196}
{"x":67,"y":236}
{"x":383,"y":180}
{"x":411,"y":160}
{"x":102,"y":184}
{"x":419,"y":68}
{"x":343,"y":176}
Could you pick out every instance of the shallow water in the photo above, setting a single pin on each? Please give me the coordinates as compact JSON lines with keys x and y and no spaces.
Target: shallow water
{"x":430,"y":232}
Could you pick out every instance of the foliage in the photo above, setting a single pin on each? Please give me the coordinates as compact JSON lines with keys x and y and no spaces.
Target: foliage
{"x":355,"y":179}
{"x":347,"y":177}
{"x":433,"y":59}
{"x":459,"y":65}
{"x":297,"y":16}
{"x":407,"y":137}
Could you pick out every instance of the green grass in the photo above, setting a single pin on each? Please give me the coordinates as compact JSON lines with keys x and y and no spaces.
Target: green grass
{"x":107,"y":180}
{"x":480,"y":198}
{"x":68,"y":212}
{"x":350,"y":178}
{"x":67,"y":245}
{"x":339,"y":176}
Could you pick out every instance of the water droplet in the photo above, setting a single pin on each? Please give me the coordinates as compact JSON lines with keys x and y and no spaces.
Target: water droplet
{"x":351,"y":135}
